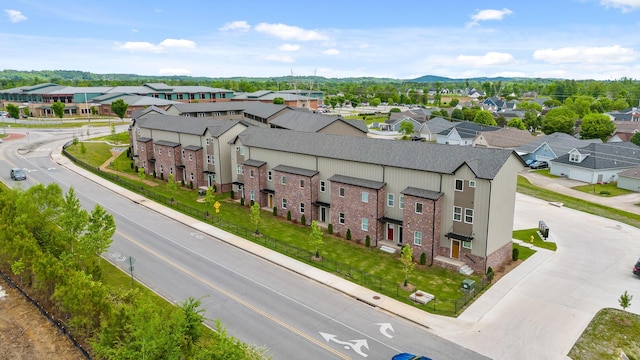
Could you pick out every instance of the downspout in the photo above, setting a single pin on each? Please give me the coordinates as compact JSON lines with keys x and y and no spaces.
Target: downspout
{"x":487,"y":237}
{"x":433,"y":238}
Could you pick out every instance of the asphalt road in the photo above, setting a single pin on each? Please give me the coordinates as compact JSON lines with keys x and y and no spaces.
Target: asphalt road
{"x":257,"y":301}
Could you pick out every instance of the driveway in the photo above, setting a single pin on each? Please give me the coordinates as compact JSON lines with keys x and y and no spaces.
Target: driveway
{"x":540,"y":309}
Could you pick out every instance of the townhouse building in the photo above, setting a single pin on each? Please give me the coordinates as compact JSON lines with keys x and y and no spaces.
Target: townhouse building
{"x":455,"y":204}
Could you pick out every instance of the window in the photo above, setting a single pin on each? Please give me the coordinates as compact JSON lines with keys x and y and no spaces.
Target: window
{"x":270,"y":175}
{"x":241,"y":150}
{"x":284,"y":203}
{"x":417,"y":238}
{"x":211,"y":160}
{"x":190,"y":157}
{"x":468,"y":216}
{"x":457,"y":213}
{"x":191,"y":176}
{"x":365,"y":196}
{"x":171,"y":170}
{"x":341,"y":192}
{"x":283,"y":180}
{"x":252,"y":195}
{"x":170,"y":152}
{"x":401,"y":202}
{"x":341,"y":218}
{"x":573,"y":157}
{"x":301,"y":208}
{"x":459,"y":184}
{"x":251,"y":173}
{"x":159,"y":151}
{"x":365,"y":224}
{"x":301,"y":182}
{"x":206,"y":140}
{"x":323,"y":186}
{"x":472,"y":183}
{"x":418,"y":208}
{"x":183,"y":154}
{"x":391,"y":200}
{"x":466,"y":244}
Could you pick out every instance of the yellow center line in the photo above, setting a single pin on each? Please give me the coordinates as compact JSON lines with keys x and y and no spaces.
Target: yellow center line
{"x":237,"y":299}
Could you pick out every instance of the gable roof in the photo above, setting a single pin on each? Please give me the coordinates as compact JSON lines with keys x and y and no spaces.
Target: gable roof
{"x":560,"y":143}
{"x":468,"y":129}
{"x":485,"y":163}
{"x":507,"y":137}
{"x":312,"y":122}
{"x":186,"y":125}
{"x":606,"y":156}
{"x":438,"y":124}
{"x":256,"y":108}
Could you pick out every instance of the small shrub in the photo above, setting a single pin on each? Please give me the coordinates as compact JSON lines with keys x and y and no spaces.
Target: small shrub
{"x":489,"y":270}
{"x":604,"y":192}
{"x":303,"y":220}
{"x":161,"y":176}
{"x":190,"y":184}
{"x":182,"y":182}
{"x":330,"y":229}
{"x":214,"y":188}
{"x":131,"y":164}
{"x":423,"y":259}
{"x":154,"y":174}
{"x":135,"y":169}
{"x":232,"y":195}
{"x":241,"y":201}
{"x":251,"y":202}
{"x":367,"y":241}
{"x":515,"y":253}
{"x":275,"y":211}
{"x":289,"y":215}
{"x":348,"y":236}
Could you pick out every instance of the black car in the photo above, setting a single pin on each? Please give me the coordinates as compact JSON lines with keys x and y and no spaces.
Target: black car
{"x":18,"y":174}
{"x":636,"y":269}
{"x":539,"y":165}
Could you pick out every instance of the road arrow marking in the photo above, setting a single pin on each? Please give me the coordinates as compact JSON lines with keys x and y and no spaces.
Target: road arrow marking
{"x":384,"y":327}
{"x":355,"y":345}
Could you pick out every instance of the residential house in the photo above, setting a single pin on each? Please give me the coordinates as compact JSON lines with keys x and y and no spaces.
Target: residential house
{"x":430,"y":129}
{"x":549,"y":147}
{"x":194,"y":150}
{"x":254,"y":113}
{"x":596,"y":163}
{"x":504,"y":138}
{"x":629,"y":179}
{"x":454,"y":204}
{"x":396,"y":124}
{"x":462,"y":133}
{"x":624,"y":130}
{"x":629,"y":114}
{"x":494,"y":104}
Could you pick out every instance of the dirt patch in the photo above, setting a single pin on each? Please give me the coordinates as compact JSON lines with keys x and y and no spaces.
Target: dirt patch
{"x":26,"y":334}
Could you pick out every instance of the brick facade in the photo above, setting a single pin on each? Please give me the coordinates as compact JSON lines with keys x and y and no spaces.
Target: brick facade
{"x":355,"y":210}
{"x":427,"y":223}
{"x":299,"y":194}
{"x":167,"y":160}
{"x":192,"y":168}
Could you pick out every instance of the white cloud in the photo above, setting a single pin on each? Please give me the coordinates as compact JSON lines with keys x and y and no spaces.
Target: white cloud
{"x":170,"y":71}
{"x":15,"y":16}
{"x":582,"y":54}
{"x":623,"y":5}
{"x":331,"y":52}
{"x":488,"y":14}
{"x":134,"y":30}
{"x":241,"y":26}
{"x":145,"y":46}
{"x":489,"y":59}
{"x":178,"y":43}
{"x":289,"y":47}
{"x":288,"y":32}
{"x":279,"y":58}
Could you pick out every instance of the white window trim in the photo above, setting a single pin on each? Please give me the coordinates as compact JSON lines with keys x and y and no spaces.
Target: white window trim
{"x":401,"y":202}
{"x":365,"y":197}
{"x":455,"y":184}
{"x":465,"y":216}
{"x":341,"y":192}
{"x":421,"y":208}
{"x":283,"y":180}
{"x":270,"y":175}
{"x":365,"y":224}
{"x":391,"y":200}
{"x":464,"y":244}
{"x":459,"y":213}
{"x":323,"y":186}
{"x":417,"y":238}
{"x":472,"y":183}
{"x":283,"y":203}
{"x":341,"y":217}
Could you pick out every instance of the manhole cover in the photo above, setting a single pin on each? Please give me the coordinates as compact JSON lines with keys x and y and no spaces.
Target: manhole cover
{"x":376,"y":297}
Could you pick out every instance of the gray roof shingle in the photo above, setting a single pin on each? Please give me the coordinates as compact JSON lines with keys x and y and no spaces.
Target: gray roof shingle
{"x":186,"y":125}
{"x":485,"y":163}
{"x":606,"y":156}
{"x":422,"y":193}
{"x":295,"y":170}
{"x":370,"y":184}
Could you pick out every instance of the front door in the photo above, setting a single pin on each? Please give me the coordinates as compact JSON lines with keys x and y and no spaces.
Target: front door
{"x":323,"y":214}
{"x":389,"y":231}
{"x":455,"y":249}
{"x":270,"y":201}
{"x":399,"y":234}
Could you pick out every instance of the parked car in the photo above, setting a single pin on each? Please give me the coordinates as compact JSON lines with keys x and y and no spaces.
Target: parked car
{"x":529,"y":162}
{"x":539,"y":165}
{"x":18,"y":174}
{"x":407,"y":356}
{"x":636,"y":269}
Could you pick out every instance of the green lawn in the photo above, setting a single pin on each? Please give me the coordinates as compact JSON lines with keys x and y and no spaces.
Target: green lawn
{"x":611,"y":332}
{"x":608,"y":190}
{"x":525,"y":235}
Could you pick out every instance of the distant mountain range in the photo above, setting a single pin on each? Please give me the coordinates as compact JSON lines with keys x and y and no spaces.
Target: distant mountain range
{"x":48,"y":75}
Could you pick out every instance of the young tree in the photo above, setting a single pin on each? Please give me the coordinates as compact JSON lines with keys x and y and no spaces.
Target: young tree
{"x":278,"y":100}
{"x":255,"y":216}
{"x":484,"y":117}
{"x":406,"y":257}
{"x":58,"y":109}
{"x":172,"y":185}
{"x":209,"y":199}
{"x":531,"y":120}
{"x":625,"y":300}
{"x":516,"y":123}
{"x":119,"y":107}
{"x":406,"y":127}
{"x":13,"y":111}
{"x":635,"y":138}
{"x":457,"y":115}
{"x":101,"y":228}
{"x":454,"y":102}
{"x":316,"y":237}
{"x":596,"y":126}
{"x":141,"y":174}
{"x":73,"y":219}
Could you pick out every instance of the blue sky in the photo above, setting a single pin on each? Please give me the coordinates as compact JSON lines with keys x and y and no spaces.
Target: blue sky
{"x":572,"y":39}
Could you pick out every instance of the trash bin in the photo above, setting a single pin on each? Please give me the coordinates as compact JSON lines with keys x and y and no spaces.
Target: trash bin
{"x":468,"y":284}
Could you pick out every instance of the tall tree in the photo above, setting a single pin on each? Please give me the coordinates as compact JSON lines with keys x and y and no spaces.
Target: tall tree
{"x":559,"y":119}
{"x":596,"y":126}
{"x":58,"y":109}
{"x":635,"y":138}
{"x":484,"y":117}
{"x":73,"y":219}
{"x":101,"y":228}
{"x":406,"y":257}
{"x":119,"y":107}
{"x":516,"y":123}
{"x":406,"y":127}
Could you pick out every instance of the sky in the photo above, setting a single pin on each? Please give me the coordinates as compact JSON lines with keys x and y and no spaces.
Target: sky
{"x":460,"y":39}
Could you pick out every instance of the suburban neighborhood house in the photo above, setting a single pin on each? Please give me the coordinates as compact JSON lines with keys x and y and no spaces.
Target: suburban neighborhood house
{"x":597,"y":163}
{"x":455,"y":204}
